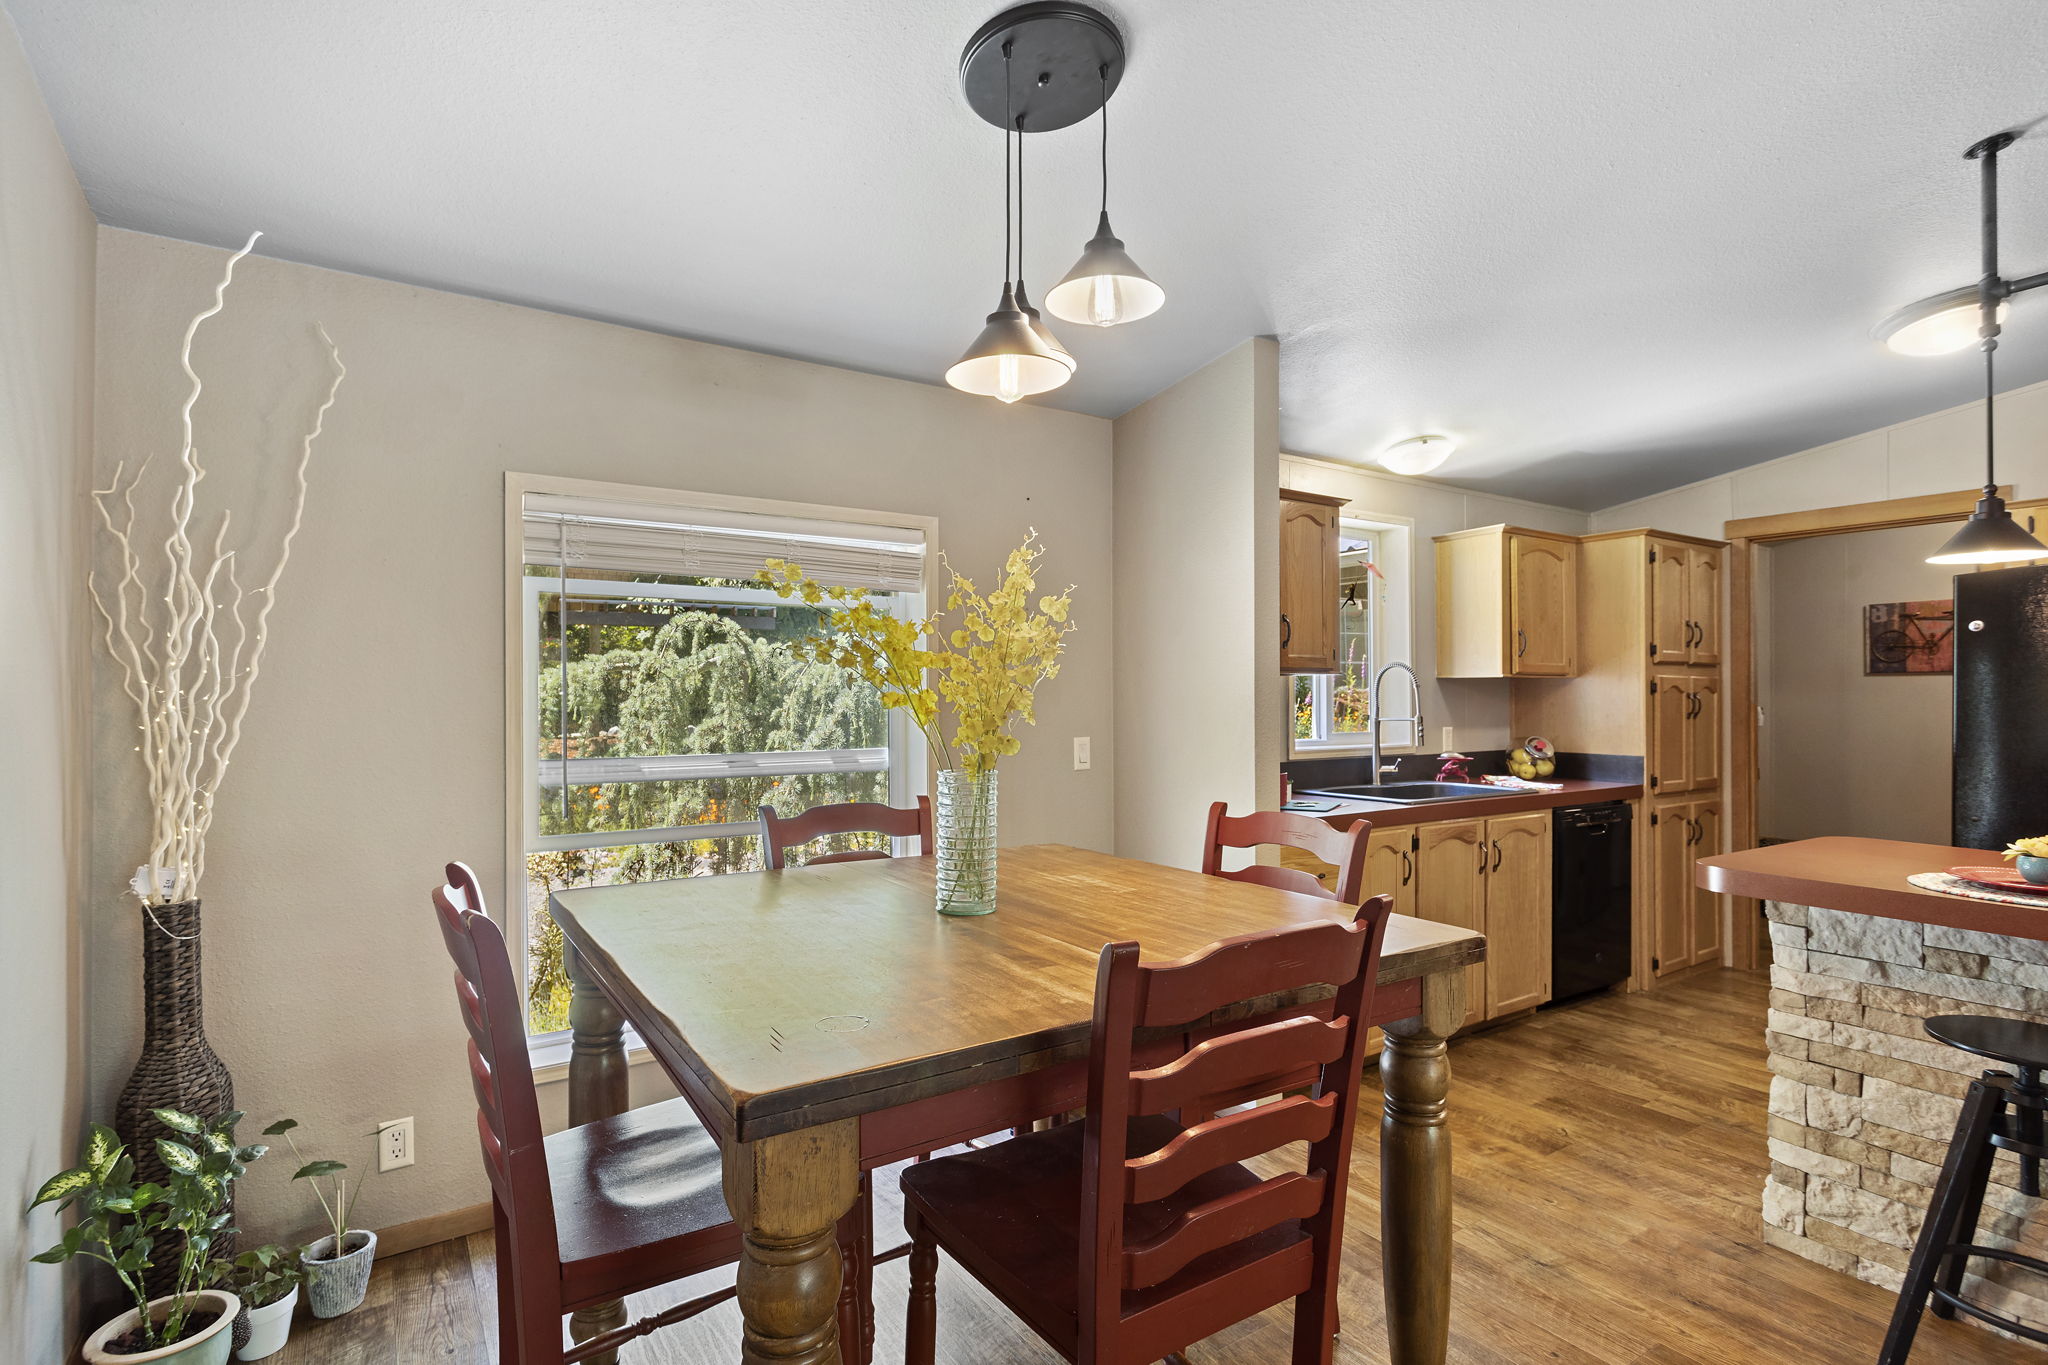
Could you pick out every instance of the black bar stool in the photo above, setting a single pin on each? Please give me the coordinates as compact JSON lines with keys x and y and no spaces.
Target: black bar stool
{"x":1985,"y":1128}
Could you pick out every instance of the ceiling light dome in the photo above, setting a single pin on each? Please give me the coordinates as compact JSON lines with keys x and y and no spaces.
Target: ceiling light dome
{"x":1418,"y":454}
{"x":1941,"y":325}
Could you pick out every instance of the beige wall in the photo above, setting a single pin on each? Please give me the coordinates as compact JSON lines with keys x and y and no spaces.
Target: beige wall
{"x":46,"y":301}
{"x":1476,"y":708}
{"x":374,"y":748}
{"x":1198,"y":698}
{"x":1843,"y":753}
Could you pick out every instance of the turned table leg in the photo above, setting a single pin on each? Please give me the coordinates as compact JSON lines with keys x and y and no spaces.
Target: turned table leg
{"x":597,"y":1090}
{"x":1415,"y":1174}
{"x":787,"y":1193}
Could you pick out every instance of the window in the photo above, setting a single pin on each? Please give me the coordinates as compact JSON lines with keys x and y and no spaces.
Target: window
{"x":1333,"y":711}
{"x":661,"y":702}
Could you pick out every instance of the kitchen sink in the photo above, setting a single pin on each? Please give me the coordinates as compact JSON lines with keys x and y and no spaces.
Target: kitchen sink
{"x":1414,"y":793}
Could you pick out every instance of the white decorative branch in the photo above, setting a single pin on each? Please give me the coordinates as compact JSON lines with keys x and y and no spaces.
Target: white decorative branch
{"x":190,"y":641}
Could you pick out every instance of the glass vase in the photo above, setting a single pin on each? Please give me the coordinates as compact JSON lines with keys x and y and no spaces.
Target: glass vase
{"x":966,"y":833}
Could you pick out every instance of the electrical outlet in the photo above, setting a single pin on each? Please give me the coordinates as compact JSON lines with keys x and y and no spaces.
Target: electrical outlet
{"x":394,"y":1144}
{"x":1450,"y":742}
{"x":1082,"y":761}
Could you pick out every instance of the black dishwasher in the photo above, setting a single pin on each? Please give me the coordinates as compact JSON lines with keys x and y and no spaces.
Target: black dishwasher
{"x":1590,"y":863}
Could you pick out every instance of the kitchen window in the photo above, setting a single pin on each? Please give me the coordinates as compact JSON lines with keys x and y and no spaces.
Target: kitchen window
{"x":661,"y":704}
{"x":1333,"y":711}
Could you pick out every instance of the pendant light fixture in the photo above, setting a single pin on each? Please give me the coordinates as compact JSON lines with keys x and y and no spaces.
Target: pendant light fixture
{"x":1052,"y":343}
{"x":1009,"y":361}
{"x":1990,"y":536}
{"x":1105,"y":287}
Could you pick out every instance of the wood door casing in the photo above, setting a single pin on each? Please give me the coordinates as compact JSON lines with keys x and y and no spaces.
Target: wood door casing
{"x":1450,"y":890}
{"x":1706,"y":905}
{"x":1542,"y":606}
{"x":1308,"y":585}
{"x":1668,"y":632}
{"x":1671,"y":901}
{"x":1703,"y":603}
{"x":1517,"y":912}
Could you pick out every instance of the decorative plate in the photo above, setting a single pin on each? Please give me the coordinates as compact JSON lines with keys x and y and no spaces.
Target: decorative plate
{"x":1998,"y":879}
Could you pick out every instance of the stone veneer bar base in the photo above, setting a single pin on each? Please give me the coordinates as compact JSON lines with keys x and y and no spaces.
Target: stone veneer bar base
{"x":1863,"y":1102}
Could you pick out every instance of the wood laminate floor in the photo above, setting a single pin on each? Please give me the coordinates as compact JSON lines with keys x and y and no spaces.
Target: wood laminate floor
{"x":1609,"y":1167}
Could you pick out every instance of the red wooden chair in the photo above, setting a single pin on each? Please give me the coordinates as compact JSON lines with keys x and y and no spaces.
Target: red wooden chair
{"x":1345,"y":849}
{"x":587,"y":1215}
{"x":847,"y":817}
{"x":1124,"y":1239}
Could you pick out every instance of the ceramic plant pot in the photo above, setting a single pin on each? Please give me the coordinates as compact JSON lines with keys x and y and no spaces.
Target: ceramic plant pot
{"x":208,"y":1346}
{"x":2034,"y":870}
{"x":269,"y":1327}
{"x":336,"y":1284}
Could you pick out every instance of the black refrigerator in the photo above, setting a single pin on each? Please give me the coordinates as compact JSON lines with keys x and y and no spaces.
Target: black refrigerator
{"x":2001,"y":747}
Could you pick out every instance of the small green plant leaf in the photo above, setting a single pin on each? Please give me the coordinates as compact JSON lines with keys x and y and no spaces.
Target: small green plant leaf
{"x":101,"y":1149}
{"x":56,"y":1255}
{"x":63,"y":1185}
{"x":314,"y":1169}
{"x":253,"y":1152}
{"x":177,"y":1157}
{"x":226,"y":1122}
{"x":281,"y":1127}
{"x":178,"y":1121}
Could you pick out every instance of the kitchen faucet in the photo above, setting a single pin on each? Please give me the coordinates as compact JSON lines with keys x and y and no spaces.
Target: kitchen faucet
{"x":1413,"y":718}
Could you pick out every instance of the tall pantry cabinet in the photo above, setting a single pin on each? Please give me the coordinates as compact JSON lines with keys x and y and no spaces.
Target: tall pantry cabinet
{"x":1649,"y":683}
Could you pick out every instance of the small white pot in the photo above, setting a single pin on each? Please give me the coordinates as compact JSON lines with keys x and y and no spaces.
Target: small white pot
{"x":269,"y":1327}
{"x":335,"y":1286}
{"x":209,"y":1347}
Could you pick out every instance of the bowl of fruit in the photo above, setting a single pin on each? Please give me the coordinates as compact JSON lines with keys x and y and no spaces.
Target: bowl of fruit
{"x":1535,"y":759}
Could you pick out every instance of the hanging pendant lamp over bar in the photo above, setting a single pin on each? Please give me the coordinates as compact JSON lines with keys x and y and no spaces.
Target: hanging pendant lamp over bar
{"x":1105,"y":287}
{"x":1990,"y":536}
{"x":1009,"y":360}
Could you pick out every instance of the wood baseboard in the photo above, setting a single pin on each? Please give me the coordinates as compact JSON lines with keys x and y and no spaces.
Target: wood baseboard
{"x":400,"y":1238}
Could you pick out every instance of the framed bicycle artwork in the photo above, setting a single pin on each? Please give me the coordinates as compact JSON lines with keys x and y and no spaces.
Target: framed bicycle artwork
{"x":1909,"y":637}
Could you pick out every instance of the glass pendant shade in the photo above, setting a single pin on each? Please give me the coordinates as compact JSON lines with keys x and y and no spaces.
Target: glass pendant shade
{"x":1105,"y":287}
{"x":1008,"y":361}
{"x":1941,"y":325}
{"x":1990,"y":536}
{"x":1043,"y":332}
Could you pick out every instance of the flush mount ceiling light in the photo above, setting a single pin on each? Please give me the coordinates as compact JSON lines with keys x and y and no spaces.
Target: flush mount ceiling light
{"x":1012,"y":358}
{"x":1991,"y":536}
{"x":1417,"y":454}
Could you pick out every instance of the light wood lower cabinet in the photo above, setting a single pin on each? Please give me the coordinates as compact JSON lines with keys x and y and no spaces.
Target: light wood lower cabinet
{"x":1390,"y":867}
{"x":1450,"y":889}
{"x":1492,"y":876}
{"x":1687,"y":918}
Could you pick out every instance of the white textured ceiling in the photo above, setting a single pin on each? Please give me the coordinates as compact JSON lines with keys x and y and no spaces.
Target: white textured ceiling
{"x":1612,"y":245}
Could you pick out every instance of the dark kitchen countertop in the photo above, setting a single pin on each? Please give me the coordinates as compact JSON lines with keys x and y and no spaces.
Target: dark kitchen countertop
{"x":1387,"y":815}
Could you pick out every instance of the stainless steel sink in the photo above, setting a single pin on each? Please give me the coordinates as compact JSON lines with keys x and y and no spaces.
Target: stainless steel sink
{"x":1414,"y":793}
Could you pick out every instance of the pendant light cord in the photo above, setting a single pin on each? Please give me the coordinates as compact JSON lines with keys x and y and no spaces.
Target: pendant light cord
{"x":1987,"y":300}
{"x":1020,"y":200}
{"x":1008,"y":120}
{"x":1103,"y":70}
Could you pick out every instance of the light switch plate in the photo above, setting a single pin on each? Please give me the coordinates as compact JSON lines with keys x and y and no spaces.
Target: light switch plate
{"x":1450,"y":742}
{"x":1082,"y":761}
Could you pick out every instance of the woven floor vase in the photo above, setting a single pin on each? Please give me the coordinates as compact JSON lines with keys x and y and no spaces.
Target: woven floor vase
{"x":178,"y":1069}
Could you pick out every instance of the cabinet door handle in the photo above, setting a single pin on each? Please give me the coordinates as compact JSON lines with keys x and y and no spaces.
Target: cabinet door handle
{"x":1407,"y":867}
{"x":1521,"y":642}
{"x":1695,"y":832}
{"x":1692,"y":705}
{"x":1482,"y":856}
{"x":1496,"y":855}
{"x":1286,"y":631}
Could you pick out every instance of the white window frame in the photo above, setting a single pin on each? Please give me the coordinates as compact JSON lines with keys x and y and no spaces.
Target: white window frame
{"x":1391,"y":623}
{"x":908,"y":776}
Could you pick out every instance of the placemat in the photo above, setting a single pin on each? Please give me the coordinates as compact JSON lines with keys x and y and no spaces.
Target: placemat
{"x":1956,"y":886}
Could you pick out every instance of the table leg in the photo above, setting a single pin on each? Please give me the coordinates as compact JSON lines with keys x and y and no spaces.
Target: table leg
{"x":597,"y":1090}
{"x":787,"y":1193}
{"x":1415,"y":1174}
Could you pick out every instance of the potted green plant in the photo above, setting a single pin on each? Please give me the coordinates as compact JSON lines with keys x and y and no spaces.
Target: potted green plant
{"x":132,"y":1227}
{"x":2031,"y":855}
{"x":266,"y":1280}
{"x":337,"y":1265}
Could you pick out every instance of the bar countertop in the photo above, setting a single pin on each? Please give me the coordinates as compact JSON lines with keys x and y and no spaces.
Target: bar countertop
{"x":1868,"y":877}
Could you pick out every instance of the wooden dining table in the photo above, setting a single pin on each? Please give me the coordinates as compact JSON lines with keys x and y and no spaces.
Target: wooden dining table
{"x":825,"y":1021}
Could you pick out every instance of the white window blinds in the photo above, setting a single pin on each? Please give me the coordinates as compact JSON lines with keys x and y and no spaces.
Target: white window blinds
{"x":594,"y":533}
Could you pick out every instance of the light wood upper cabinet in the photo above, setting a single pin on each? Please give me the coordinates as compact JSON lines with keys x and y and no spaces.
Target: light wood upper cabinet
{"x":1507,"y":604}
{"x":1517,"y":912}
{"x":1703,"y":731}
{"x":1685,"y":733}
{"x":1685,"y":603}
{"x":1452,"y":890}
{"x":1308,"y":582}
